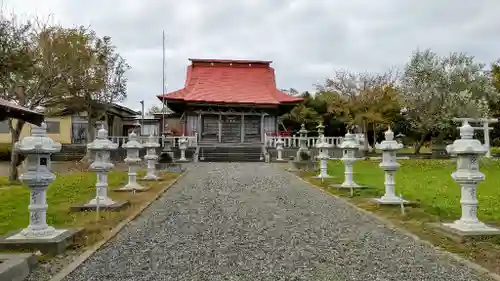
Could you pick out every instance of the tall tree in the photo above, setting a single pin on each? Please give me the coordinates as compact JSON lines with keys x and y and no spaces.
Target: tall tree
{"x":16,"y":60}
{"x":361,"y":99}
{"x":98,"y":79}
{"x":435,"y":89}
{"x":36,"y":55}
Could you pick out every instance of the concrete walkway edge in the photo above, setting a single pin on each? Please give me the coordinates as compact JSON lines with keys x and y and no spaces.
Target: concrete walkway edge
{"x":87,"y":254}
{"x":392,"y":226}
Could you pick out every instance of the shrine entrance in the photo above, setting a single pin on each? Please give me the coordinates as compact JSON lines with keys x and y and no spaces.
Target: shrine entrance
{"x":230,"y":128}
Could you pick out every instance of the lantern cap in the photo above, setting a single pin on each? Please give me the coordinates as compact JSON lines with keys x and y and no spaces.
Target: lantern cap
{"x":38,"y":142}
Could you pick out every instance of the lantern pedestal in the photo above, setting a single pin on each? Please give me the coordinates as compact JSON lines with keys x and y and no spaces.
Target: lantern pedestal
{"x":183,"y":146}
{"x":92,"y":206}
{"x":170,"y":167}
{"x":56,"y":243}
{"x":323,"y":168}
{"x":151,"y":145}
{"x":101,"y":148}
{"x":468,"y":150}
{"x":389,"y":146}
{"x":38,"y":235}
{"x":464,"y":234}
{"x":134,"y":162}
{"x":350,"y":147}
{"x":132,"y":185}
{"x":348,"y":186}
{"x":136,"y":188}
{"x":396,"y":200}
{"x":16,"y":266}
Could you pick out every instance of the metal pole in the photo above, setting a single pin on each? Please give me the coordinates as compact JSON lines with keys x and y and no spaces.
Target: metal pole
{"x":142,"y":117}
{"x":163,"y":85}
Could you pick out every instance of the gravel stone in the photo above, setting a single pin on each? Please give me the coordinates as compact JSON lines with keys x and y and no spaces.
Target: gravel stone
{"x":253,"y":221}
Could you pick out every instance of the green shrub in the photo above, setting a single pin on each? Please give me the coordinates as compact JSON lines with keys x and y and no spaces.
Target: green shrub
{"x":495,"y":149}
{"x":304,"y":156}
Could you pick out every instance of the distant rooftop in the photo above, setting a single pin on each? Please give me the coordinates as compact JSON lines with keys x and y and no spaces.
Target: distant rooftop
{"x":230,"y":61}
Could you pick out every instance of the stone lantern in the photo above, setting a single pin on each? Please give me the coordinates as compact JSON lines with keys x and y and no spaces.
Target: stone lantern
{"x":467,"y":175}
{"x":101,"y":148}
{"x":350,"y":146}
{"x":279,"y":149}
{"x":389,"y":146}
{"x":323,"y":156}
{"x":134,"y":161}
{"x":38,"y":147}
{"x":183,"y":144}
{"x":151,"y":145}
{"x":302,"y":142}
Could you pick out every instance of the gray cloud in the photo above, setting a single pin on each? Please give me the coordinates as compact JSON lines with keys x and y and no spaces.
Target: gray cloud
{"x":306,"y":39}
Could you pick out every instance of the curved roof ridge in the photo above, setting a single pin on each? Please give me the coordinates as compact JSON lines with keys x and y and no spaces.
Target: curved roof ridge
{"x":226,"y":83}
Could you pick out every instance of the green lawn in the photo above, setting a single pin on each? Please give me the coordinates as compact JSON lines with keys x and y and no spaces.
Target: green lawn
{"x":65,"y":191}
{"x":72,"y":189}
{"x":429,"y":182}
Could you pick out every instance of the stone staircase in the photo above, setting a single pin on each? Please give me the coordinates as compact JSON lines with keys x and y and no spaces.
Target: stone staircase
{"x":69,"y":153}
{"x":230,"y":153}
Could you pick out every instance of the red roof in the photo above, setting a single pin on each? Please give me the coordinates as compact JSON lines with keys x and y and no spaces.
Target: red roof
{"x":230,"y":81}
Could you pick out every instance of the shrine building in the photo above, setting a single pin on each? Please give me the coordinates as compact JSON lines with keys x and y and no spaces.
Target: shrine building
{"x":229,"y":101}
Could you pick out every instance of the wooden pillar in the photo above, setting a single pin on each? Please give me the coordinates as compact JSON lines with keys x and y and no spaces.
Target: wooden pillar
{"x":199,"y":127}
{"x":262,"y":127}
{"x":220,"y":128}
{"x":242,"y":127}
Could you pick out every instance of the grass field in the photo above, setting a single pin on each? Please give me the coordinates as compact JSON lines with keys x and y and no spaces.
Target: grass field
{"x":72,"y":189}
{"x":429,"y":183}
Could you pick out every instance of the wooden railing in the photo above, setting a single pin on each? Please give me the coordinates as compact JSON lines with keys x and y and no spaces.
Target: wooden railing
{"x":294,"y":141}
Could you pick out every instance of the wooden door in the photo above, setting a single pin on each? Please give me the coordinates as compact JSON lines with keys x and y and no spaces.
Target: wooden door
{"x":231,"y":128}
{"x":252,"y":128}
{"x":210,"y":128}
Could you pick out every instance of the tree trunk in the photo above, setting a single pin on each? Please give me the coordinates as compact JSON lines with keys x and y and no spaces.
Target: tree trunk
{"x":365,"y":134}
{"x":15,"y":159}
{"x":374,"y":135}
{"x":419,"y":143}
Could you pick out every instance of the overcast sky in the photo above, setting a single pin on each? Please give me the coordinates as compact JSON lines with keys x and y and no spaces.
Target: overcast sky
{"x":306,"y":39}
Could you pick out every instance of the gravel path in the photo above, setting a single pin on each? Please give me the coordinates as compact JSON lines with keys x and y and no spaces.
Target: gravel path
{"x":252,"y":221}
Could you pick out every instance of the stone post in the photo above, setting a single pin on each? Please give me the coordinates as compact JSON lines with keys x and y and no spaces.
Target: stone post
{"x":38,"y":234}
{"x":133,"y":160}
{"x":350,"y":146}
{"x":151,"y":145}
{"x":302,"y":142}
{"x":101,"y":149}
{"x":467,"y":175}
{"x":389,"y":147}
{"x":323,"y":156}
{"x":38,"y":147}
{"x":183,"y":144}
{"x":279,"y":149}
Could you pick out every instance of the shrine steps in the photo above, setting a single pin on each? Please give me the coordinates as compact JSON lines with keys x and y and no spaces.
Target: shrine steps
{"x":230,"y":153}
